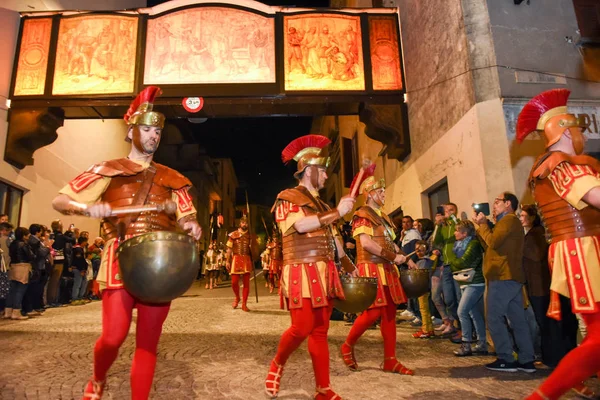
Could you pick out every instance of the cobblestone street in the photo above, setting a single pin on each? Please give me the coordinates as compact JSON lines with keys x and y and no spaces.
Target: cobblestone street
{"x":210,"y":351}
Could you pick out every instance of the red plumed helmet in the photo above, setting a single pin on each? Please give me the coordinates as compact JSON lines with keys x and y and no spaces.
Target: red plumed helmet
{"x":539,"y":110}
{"x":140,"y":111}
{"x":306,"y":150}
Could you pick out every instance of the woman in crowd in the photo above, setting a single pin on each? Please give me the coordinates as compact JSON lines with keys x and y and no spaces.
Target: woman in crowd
{"x":466,"y":261}
{"x":21,"y":258}
{"x":557,"y":337}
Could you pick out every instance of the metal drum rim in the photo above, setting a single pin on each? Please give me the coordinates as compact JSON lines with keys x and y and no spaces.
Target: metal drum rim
{"x":155,"y":237}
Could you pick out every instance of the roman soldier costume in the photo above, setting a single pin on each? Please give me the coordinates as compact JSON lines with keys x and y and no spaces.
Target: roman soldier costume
{"x":377,"y":225}
{"x":124,"y":182}
{"x":309,"y":279}
{"x":275,"y":259}
{"x":559,"y":181}
{"x":241,"y":246}
{"x":212,"y":266}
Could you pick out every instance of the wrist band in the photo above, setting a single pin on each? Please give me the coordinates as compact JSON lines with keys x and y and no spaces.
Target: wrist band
{"x":328,"y":217}
{"x":347,"y":264}
{"x":387,"y":254}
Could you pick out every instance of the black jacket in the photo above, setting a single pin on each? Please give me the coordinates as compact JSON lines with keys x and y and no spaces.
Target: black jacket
{"x":20,"y":252}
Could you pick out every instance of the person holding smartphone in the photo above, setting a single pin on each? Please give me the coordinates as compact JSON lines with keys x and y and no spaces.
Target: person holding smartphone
{"x":504,"y":276}
{"x":444,"y":238}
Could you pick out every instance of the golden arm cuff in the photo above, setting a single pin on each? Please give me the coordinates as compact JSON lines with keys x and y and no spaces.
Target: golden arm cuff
{"x":387,"y":254}
{"x":347,"y":264}
{"x":328,"y":217}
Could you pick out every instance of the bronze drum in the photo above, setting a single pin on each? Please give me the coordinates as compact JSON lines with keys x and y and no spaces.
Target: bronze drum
{"x":360,"y":294}
{"x":415,"y":282}
{"x":158,"y":267}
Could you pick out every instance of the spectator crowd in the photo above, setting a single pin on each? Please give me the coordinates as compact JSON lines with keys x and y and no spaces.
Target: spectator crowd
{"x":43,"y":268}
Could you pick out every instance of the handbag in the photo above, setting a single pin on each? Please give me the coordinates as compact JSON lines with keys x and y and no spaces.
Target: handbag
{"x":464,"y":275}
{"x":4,"y":281}
{"x":19,"y":272}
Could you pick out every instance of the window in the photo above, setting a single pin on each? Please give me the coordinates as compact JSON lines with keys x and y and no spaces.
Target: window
{"x":587,"y":13}
{"x":11,"y":200}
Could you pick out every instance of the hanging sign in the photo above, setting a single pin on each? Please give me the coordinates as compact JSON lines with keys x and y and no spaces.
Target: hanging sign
{"x":193,"y":104}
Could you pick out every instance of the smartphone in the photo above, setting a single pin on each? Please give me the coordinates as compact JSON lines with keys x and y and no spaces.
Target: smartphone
{"x":440,"y":210}
{"x":482,"y":208}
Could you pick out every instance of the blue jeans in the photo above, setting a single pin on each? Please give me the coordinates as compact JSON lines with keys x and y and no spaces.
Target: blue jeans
{"x":436,"y":294}
{"x":505,"y":299}
{"x":79,"y":285}
{"x":451,"y":292}
{"x":15,"y":295}
{"x":471,"y":306}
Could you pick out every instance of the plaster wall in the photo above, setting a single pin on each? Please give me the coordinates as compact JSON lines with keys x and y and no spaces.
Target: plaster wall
{"x":541,"y":36}
{"x":436,"y":55}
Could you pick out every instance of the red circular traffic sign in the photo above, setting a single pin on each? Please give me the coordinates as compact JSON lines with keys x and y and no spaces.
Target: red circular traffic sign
{"x":193,"y":104}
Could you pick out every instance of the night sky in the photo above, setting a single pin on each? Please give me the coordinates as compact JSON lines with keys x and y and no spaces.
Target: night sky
{"x":254,"y":145}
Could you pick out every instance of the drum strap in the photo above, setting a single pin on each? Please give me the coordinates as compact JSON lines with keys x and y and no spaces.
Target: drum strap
{"x":140,"y":198}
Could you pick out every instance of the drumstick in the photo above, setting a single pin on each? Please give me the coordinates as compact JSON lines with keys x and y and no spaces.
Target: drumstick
{"x":169,"y":207}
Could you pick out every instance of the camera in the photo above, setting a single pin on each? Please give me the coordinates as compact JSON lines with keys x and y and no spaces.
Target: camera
{"x":482,"y":208}
{"x":440,"y":210}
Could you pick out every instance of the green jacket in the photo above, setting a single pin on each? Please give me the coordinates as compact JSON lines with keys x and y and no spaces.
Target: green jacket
{"x":444,"y":238}
{"x":472,"y":258}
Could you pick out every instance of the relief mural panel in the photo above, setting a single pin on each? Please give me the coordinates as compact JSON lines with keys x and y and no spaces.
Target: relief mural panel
{"x":33,"y":57}
{"x":95,"y":55}
{"x":385,"y":53}
{"x":323,"y":52}
{"x":210,"y":45}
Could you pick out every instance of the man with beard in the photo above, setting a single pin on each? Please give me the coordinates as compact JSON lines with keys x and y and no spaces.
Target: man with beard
{"x":310,"y":280}
{"x":566,"y":187}
{"x":241,"y":247}
{"x":376,"y":254}
{"x":135,"y":180}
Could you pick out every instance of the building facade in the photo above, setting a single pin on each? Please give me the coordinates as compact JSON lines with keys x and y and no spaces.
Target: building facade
{"x":470,"y":66}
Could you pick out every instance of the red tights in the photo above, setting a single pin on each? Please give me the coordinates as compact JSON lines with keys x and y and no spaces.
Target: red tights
{"x":314,"y":324}
{"x":235,"y":285}
{"x":388,"y":325}
{"x":578,"y":365}
{"x":117,"y":306}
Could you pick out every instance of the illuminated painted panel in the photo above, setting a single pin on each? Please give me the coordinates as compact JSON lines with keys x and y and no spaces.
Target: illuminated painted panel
{"x":95,"y":55}
{"x":323,"y":52}
{"x":385,"y":53}
{"x":210,"y":45}
{"x":33,"y":57}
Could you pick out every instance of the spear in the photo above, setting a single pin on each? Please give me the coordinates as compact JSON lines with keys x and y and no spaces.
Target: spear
{"x":266,"y":230}
{"x":251,"y":243}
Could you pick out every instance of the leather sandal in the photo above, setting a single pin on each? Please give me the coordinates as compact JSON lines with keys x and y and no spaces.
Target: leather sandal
{"x":273,"y":380}
{"x":585,"y":392}
{"x":396,"y":367}
{"x":93,"y":390}
{"x":348,"y":356}
{"x":326,"y":394}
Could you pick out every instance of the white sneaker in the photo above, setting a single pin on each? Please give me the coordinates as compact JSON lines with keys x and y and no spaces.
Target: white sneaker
{"x":407,"y":313}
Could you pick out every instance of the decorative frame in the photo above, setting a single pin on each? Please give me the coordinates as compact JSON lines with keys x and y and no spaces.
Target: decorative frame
{"x":323,"y":51}
{"x":96,"y":55}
